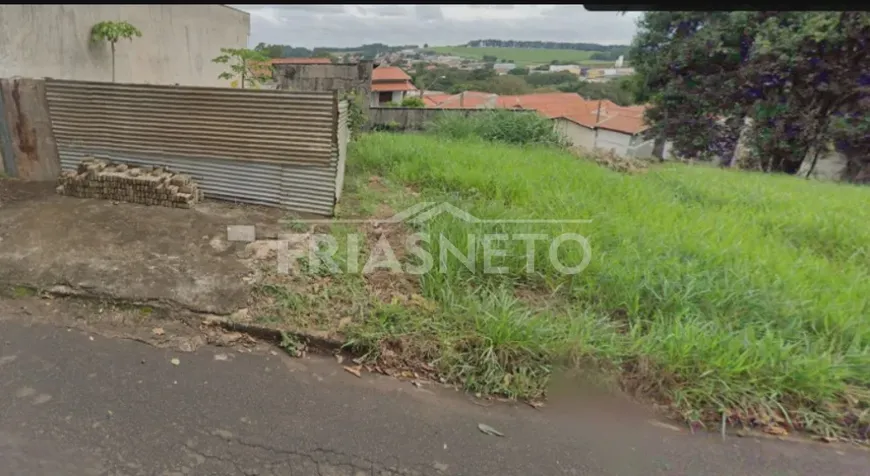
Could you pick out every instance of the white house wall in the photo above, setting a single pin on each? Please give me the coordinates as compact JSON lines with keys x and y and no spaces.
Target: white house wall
{"x":177,"y":45}
{"x":612,"y":140}
{"x":641,"y":148}
{"x":575,"y":134}
{"x":397,"y":98}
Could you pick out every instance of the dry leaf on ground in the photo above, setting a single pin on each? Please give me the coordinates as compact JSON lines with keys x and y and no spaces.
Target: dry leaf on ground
{"x":776,"y":430}
{"x":488,"y":430}
{"x":354,"y":370}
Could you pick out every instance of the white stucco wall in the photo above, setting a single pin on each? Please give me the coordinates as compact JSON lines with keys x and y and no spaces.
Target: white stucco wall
{"x":830,"y":165}
{"x":177,"y":45}
{"x":574,"y":133}
{"x":612,"y":140}
{"x":641,"y":148}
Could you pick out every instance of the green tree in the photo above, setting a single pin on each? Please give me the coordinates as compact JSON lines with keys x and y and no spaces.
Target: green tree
{"x":272,"y":51}
{"x":112,"y":32}
{"x":413,"y":102}
{"x":324,"y":54}
{"x":692,"y":61}
{"x":245,"y":66}
{"x":802,"y":77}
{"x":503,"y":85}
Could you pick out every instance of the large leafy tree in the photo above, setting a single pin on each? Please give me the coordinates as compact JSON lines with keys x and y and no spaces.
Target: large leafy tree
{"x":808,"y":77}
{"x":800,"y":76}
{"x":688,"y":65}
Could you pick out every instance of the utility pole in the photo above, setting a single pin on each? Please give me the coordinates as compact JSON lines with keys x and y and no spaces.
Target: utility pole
{"x":597,"y":120}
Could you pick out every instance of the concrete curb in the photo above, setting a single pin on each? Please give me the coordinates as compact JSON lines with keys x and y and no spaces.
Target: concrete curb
{"x":191,"y":316}
{"x":274,"y":335}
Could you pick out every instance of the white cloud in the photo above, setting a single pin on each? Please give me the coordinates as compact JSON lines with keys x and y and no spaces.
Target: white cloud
{"x":353,"y":25}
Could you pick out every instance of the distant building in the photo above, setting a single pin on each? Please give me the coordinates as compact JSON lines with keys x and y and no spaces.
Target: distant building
{"x":571,"y":68}
{"x":584,"y":123}
{"x":503,"y":68}
{"x":594,"y":73}
{"x":390,"y":84}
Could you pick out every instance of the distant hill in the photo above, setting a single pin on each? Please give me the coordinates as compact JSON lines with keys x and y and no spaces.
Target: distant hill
{"x":548,"y":45}
{"x":525,"y":51}
{"x":531,"y":56}
{"x":368,"y":51}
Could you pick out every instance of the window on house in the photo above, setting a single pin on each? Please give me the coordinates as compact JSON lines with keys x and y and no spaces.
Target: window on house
{"x":385,"y":97}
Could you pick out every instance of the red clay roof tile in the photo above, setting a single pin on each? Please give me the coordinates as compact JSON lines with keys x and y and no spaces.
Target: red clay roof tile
{"x":389,"y":73}
{"x":394,"y":86}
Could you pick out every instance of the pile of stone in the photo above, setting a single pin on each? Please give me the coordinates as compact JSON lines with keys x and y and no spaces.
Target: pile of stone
{"x":97,"y":178}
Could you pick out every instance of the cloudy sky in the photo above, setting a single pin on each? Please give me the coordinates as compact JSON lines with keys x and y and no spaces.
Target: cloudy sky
{"x":439,"y":25}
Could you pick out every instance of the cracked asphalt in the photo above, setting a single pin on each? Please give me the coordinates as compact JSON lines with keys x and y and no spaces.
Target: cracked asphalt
{"x":76,"y":403}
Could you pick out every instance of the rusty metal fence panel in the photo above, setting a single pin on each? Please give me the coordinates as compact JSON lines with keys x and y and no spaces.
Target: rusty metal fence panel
{"x":343,"y":137}
{"x":253,"y":146}
{"x":27,"y":148}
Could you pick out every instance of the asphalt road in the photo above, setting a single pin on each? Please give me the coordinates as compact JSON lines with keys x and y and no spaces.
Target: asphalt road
{"x":74,"y":403}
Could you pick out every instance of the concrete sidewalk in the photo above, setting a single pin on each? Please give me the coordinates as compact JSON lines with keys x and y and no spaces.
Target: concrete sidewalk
{"x":75,"y":403}
{"x":124,"y":251}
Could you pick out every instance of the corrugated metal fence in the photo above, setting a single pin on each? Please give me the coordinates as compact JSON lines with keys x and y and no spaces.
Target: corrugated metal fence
{"x":253,"y":146}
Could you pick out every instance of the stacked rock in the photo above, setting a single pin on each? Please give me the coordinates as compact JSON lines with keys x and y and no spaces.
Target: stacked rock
{"x":97,"y":178}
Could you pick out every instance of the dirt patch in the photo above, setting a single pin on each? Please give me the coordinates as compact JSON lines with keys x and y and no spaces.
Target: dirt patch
{"x":12,"y":190}
{"x":129,"y":252}
{"x":377,"y":184}
{"x":609,"y":159}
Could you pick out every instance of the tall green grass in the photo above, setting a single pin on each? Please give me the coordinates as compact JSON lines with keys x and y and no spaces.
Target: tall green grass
{"x":717,"y":291}
{"x":497,"y":125}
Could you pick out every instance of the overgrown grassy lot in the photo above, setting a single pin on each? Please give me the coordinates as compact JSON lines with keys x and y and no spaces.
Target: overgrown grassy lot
{"x":722,"y":294}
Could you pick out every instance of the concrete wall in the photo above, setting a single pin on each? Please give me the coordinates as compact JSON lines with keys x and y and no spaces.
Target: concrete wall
{"x":325,"y":77}
{"x":415,"y":118}
{"x":344,"y":78}
{"x":612,"y":140}
{"x":575,"y":134}
{"x":177,"y":45}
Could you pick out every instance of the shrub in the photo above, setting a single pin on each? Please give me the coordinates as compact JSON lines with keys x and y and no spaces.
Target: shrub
{"x":356,"y":117}
{"x":497,"y":125}
{"x":413,"y":102}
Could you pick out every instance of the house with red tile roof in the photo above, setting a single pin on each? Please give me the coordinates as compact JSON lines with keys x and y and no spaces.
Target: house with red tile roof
{"x":390,"y":84}
{"x":582,"y":122}
{"x":604,"y":125}
{"x":466,"y":100}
